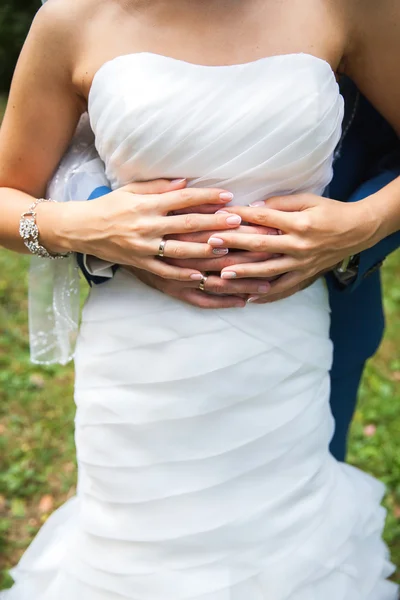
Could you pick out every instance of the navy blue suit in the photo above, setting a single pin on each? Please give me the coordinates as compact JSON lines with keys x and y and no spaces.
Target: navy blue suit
{"x":369,"y":158}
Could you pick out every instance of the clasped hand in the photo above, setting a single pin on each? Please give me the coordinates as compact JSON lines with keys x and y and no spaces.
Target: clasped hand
{"x":316,"y":234}
{"x":262,"y":252}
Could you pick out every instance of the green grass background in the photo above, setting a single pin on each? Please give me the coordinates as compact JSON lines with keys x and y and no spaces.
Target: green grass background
{"x":37,"y":456}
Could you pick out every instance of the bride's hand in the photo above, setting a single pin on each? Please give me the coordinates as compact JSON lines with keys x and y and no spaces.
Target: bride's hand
{"x":318,"y":233}
{"x":217,"y":263}
{"x":127,"y":226}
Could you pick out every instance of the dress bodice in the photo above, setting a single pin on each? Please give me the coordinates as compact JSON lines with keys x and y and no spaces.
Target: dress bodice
{"x":258,"y":129}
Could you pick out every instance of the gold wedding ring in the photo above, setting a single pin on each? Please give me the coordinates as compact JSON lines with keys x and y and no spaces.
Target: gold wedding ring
{"x":202,"y":284}
{"x":161,"y":248}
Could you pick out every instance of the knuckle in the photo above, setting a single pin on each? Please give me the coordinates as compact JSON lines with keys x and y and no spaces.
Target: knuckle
{"x":142,"y":203}
{"x":303,"y":247}
{"x":180,"y":275}
{"x":217,"y":286}
{"x":304,"y":224}
{"x":190,"y":222}
{"x":273,"y":272}
{"x":186,"y":194}
{"x":178,"y":252}
{"x":261,"y":218}
{"x":259,"y":244}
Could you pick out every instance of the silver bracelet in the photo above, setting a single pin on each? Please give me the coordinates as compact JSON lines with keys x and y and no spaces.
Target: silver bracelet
{"x":29,"y":232}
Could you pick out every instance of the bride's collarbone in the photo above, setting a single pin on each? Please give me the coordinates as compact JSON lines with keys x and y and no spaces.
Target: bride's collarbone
{"x":242,"y":38}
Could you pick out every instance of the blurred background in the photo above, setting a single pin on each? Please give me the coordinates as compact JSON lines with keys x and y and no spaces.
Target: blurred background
{"x":37,"y":462}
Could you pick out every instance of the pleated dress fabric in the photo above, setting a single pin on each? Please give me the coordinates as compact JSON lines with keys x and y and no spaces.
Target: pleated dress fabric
{"x":202,"y":436}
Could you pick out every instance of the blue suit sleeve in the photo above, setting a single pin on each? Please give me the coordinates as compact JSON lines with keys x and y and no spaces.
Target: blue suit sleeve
{"x":371,"y":259}
{"x":94,"y":279}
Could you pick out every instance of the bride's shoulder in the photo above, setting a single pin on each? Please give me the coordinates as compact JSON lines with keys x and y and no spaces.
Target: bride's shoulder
{"x":374,"y":27}
{"x":63,"y":14}
{"x":372,"y":17}
{"x":62,"y":22}
{"x":58,"y":32}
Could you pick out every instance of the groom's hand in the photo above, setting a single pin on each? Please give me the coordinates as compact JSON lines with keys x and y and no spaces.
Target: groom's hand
{"x":217,"y":292}
{"x":284,"y":290}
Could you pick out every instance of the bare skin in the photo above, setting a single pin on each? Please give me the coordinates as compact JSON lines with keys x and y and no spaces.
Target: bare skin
{"x":56,"y":70}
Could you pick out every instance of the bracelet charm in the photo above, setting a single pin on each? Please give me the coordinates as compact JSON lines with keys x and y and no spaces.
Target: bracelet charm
{"x":29,"y":232}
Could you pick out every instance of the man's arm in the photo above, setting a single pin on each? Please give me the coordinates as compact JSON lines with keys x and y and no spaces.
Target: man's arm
{"x":371,"y":259}
{"x":369,"y":159}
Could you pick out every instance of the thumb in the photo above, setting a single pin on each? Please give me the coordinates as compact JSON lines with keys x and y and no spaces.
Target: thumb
{"x":293,"y":203}
{"x":158,"y":186}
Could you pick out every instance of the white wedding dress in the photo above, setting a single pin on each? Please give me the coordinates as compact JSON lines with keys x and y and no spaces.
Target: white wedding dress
{"x":202,"y":436}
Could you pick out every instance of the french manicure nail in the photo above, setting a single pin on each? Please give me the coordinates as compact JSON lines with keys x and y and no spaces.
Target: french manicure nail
{"x":196,"y":277}
{"x":252,"y":299}
{"x":258,"y":203}
{"x":234,"y":220}
{"x":226,"y":196}
{"x":214,"y":241}
{"x":220,"y":251}
{"x":176,"y":181}
{"x":263,"y":289}
{"x":222,"y":212}
{"x":228,"y":275}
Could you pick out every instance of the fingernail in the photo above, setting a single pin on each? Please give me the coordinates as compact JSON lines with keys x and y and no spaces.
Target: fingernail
{"x":220,"y":251}
{"x":228,"y":275}
{"x":258,"y":203}
{"x":226,"y":196}
{"x":214,"y":241}
{"x":196,"y":277}
{"x":222,"y":212}
{"x":263,"y":289}
{"x":252,"y":299}
{"x":234,"y":220}
{"x":240,"y":305}
{"x":178,"y":180}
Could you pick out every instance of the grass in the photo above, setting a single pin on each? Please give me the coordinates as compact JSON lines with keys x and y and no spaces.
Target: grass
{"x":37,"y":461}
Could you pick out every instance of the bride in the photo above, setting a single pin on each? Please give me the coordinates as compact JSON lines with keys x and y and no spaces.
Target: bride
{"x":202,"y":436}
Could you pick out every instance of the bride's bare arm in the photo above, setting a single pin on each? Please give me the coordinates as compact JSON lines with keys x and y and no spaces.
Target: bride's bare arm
{"x":42,"y":113}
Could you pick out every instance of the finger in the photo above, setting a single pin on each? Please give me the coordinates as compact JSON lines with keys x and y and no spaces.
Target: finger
{"x":271,"y":268}
{"x":198,"y":237}
{"x":294,"y":281}
{"x":297,"y":202}
{"x":204,"y":236}
{"x":188,"y":197}
{"x":203,"y":209}
{"x":217,"y":264}
{"x":207,"y":301}
{"x":269,"y":299}
{"x":158,"y":186}
{"x":192,"y":223}
{"x":273,"y":244}
{"x":267,"y":217}
{"x":186,"y":250}
{"x":216,"y":285}
{"x":166,"y":271}
{"x":252,"y":228}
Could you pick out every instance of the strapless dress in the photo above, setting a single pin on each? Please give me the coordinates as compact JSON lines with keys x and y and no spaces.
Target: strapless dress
{"x":203,"y":436}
